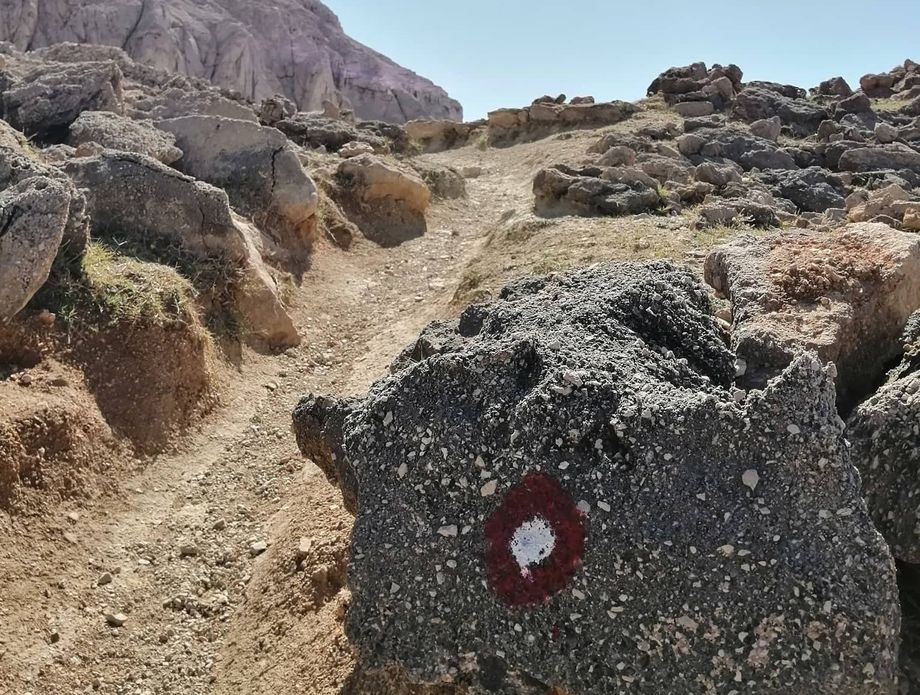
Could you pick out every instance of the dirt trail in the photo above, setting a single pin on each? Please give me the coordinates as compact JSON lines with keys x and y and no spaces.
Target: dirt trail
{"x":176,"y":548}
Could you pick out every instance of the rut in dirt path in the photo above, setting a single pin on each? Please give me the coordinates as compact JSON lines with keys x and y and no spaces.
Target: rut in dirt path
{"x":173,"y":553}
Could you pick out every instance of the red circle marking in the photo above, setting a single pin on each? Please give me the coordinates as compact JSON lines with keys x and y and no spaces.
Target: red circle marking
{"x":537,"y":496}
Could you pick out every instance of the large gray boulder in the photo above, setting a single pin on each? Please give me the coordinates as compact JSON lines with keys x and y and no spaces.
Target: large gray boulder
{"x":51,"y":97}
{"x":134,"y":196}
{"x":18,"y":163}
{"x":885,"y":434}
{"x":260,"y":171}
{"x":558,"y":490}
{"x":116,"y":132}
{"x":846,"y":296}
{"x":33,"y":215}
{"x":288,"y":47}
{"x":590,"y":191}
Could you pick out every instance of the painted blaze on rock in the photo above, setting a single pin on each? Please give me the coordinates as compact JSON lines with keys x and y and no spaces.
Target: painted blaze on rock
{"x":559,"y":489}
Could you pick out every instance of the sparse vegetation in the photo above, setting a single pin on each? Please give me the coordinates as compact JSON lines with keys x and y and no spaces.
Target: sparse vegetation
{"x":110,"y":288}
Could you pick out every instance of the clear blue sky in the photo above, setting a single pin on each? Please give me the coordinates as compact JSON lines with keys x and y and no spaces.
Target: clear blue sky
{"x":494,"y":53}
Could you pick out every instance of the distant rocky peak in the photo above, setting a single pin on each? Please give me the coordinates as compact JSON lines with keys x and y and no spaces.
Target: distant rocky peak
{"x":292,"y":47}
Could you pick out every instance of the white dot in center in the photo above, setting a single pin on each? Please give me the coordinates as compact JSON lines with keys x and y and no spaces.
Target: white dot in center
{"x":532,"y":543}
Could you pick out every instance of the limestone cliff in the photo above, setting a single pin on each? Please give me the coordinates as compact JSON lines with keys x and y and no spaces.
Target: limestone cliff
{"x":259,"y":47}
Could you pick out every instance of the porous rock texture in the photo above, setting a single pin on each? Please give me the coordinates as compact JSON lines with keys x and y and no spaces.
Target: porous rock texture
{"x":18,"y":163}
{"x":845,"y":296}
{"x":885,"y":433}
{"x":33,"y":215}
{"x":558,"y":490}
{"x":292,"y":47}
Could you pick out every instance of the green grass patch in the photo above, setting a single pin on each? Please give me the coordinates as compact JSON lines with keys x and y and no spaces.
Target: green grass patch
{"x":109,"y":288}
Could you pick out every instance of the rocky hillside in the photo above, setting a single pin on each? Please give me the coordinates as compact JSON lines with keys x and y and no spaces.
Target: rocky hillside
{"x":677,"y":452}
{"x":296,"y":48}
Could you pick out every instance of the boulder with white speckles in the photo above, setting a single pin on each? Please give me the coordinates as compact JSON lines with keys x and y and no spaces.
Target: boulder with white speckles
{"x":885,"y":432}
{"x":563,"y":490}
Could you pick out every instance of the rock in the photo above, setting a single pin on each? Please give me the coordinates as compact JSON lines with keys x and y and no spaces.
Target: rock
{"x":438,"y":136}
{"x":19,"y":163}
{"x":886,"y":448}
{"x":140,"y":197}
{"x":665,"y":169}
{"x":694,"y":109}
{"x":802,"y":117}
{"x":747,"y":150}
{"x":116,"y":619}
{"x":116,"y":132}
{"x":46,"y":101}
{"x":858,"y":103}
{"x":471,"y":172}
{"x":560,"y":190}
{"x":285,"y":47}
{"x":387,"y":203}
{"x":33,"y":215}
{"x":877,"y":86}
{"x":736,"y":210}
{"x":695,"y":82}
{"x":717,"y":174}
{"x":310,"y":131}
{"x":846,"y":296}
{"x":767,"y":128}
{"x":597,"y":402}
{"x":812,"y":190}
{"x":104,"y":579}
{"x":894,"y":156}
{"x":619,"y":155}
{"x":786,"y":90}
{"x":834,"y":87}
{"x":539,"y":120}
{"x":443,"y":182}
{"x":258,"y":169}
{"x":177,"y":103}
{"x":276,"y":108}
{"x":690,"y":144}
{"x":891,"y":201}
{"x":256,"y":548}
{"x":355,"y":148}
{"x":886,"y":133}
{"x":188,"y":550}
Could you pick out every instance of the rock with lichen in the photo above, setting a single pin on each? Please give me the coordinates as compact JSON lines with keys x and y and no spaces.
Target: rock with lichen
{"x":563,"y":490}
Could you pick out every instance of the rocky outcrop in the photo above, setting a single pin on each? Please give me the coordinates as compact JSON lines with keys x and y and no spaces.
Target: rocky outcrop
{"x":561,"y":489}
{"x":437,"y":136}
{"x":387,"y":203}
{"x":540,"y":119}
{"x":886,"y":447}
{"x":288,"y":47}
{"x":695,"y":90}
{"x":800,"y":116}
{"x":47,"y":100}
{"x":115,"y":132}
{"x":561,"y":190}
{"x":260,"y":172}
{"x":845,"y":296}
{"x":137,"y":197}
{"x":33,"y":215}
